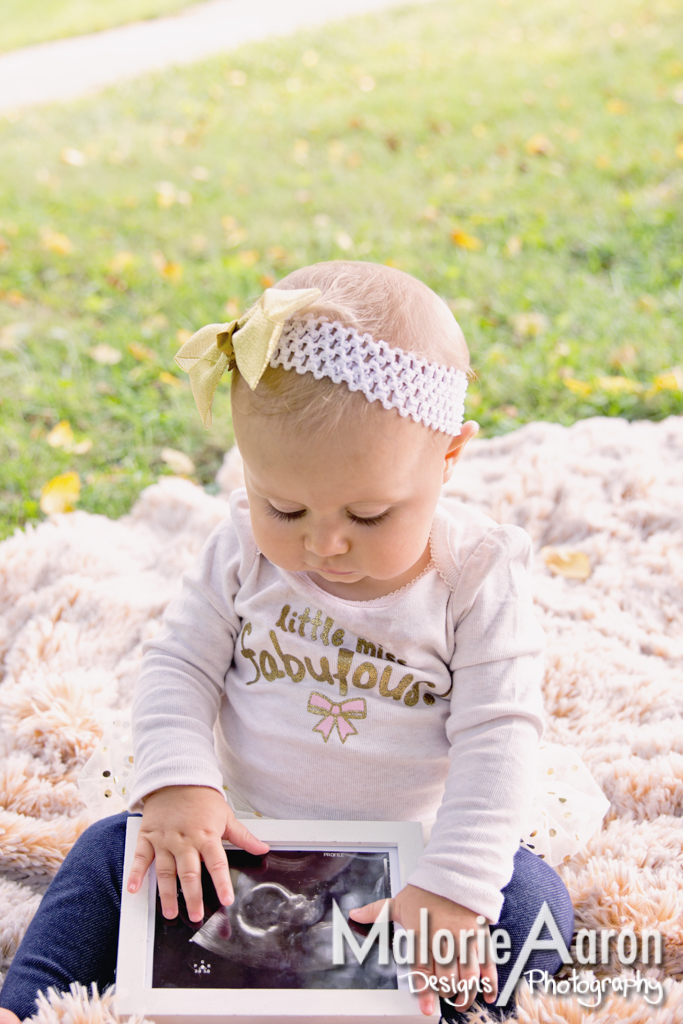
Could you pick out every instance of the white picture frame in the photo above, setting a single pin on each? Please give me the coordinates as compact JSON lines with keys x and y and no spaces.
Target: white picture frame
{"x":136,"y":994}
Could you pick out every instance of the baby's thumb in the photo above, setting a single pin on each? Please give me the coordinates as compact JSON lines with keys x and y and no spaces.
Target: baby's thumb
{"x":370,"y":912}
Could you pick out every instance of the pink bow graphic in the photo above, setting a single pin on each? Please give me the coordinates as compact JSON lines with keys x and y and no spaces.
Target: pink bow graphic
{"x":336,"y":714}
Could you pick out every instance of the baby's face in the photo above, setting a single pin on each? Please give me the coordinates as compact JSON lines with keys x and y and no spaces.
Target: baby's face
{"x":354,"y":511}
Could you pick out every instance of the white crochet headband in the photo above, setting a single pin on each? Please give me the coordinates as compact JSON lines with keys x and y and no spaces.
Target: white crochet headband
{"x":266,"y":335}
{"x":428,"y":392}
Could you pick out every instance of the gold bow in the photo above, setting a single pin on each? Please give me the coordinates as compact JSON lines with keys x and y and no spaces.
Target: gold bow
{"x":247,"y":343}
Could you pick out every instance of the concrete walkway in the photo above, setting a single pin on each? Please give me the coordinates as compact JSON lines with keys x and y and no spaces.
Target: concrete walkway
{"x":69,"y":68}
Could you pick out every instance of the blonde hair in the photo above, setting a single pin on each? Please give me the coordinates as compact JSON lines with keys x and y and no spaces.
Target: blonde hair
{"x":387,"y":303}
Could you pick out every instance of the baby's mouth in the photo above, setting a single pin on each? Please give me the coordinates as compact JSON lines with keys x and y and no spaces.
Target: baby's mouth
{"x":332,"y":572}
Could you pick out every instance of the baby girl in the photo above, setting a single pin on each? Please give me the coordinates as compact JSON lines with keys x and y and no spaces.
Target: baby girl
{"x":346,"y":647}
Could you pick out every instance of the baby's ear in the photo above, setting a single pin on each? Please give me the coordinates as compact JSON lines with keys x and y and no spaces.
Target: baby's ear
{"x":457,"y":446}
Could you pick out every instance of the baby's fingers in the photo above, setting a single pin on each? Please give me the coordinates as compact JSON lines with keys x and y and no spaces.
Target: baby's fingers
{"x":144,"y":855}
{"x":371,"y":911}
{"x":213,"y":855}
{"x":237,"y":833}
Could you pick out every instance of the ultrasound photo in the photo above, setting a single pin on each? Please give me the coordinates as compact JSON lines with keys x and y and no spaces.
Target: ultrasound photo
{"x":278,"y":932}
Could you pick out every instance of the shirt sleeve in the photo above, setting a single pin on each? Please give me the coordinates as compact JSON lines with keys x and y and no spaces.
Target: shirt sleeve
{"x":181,"y":682}
{"x":495,"y":724}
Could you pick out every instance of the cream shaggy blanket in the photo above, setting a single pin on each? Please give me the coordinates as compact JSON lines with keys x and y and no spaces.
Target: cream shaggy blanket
{"x":80,"y":593}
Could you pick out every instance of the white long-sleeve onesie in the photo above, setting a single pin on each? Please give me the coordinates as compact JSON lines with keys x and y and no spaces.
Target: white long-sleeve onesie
{"x":423,"y":705}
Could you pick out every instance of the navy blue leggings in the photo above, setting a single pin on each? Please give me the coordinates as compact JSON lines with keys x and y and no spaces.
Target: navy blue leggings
{"x":74,"y":935}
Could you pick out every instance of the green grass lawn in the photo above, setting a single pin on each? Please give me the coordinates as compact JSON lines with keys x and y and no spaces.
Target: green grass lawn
{"x":24,"y":22}
{"x":525,"y":159}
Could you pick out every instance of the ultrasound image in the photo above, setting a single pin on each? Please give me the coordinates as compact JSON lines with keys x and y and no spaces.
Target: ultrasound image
{"x":278,"y":932}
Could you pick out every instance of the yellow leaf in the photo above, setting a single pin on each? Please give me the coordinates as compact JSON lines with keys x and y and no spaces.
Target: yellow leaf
{"x":182,"y":335}
{"x":248,"y":257}
{"x":616,"y":106}
{"x":602,"y":162}
{"x":74,"y":157}
{"x":679,"y":150}
{"x":466,"y":241}
{"x":179,"y":462}
{"x":276,"y":253}
{"x":513,"y":246}
{"x":121,"y":261}
{"x":266,"y":280}
{"x":53,"y":241}
{"x":529,"y":325}
{"x":670,"y":380}
{"x":167,"y":268}
{"x":619,"y":385}
{"x":105,"y":355}
{"x":60,"y":494}
{"x":539,"y":145}
{"x":169,"y":378}
{"x":574,"y":565}
{"x":61,"y":436}
{"x":83,"y":446}
{"x":140,"y":352}
{"x":579,"y":387}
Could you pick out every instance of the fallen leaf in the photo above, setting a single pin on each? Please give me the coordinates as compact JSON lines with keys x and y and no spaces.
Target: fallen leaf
{"x":60,"y":494}
{"x":344,"y":241}
{"x":179,"y":462}
{"x":529,"y":325}
{"x":648,"y":303}
{"x":539,"y":145}
{"x":670,"y":380}
{"x":14,"y":298}
{"x":513,"y":246}
{"x":12,"y":334}
{"x":169,"y":378}
{"x":465,"y":240}
{"x":167,"y":268}
{"x":300,"y":151}
{"x":73,"y":157}
{"x":54,"y":241}
{"x":83,"y":446}
{"x":105,"y":355}
{"x":266,"y":280}
{"x":141,"y":352}
{"x":579,"y":387}
{"x":121,"y":261}
{"x":248,"y":257}
{"x":182,"y":335}
{"x":616,"y":106}
{"x":166,"y":193}
{"x":619,"y":385}
{"x":624,"y":356}
{"x":679,"y":150}
{"x":61,"y":436}
{"x":573,"y":565}
{"x":602,"y":162}
{"x":276,"y":253}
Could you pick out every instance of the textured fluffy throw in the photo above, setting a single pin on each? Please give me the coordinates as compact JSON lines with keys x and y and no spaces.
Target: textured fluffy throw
{"x":603,"y":502}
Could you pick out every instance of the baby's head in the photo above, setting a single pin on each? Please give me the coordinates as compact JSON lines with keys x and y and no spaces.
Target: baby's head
{"x":338,"y":485}
{"x":374,"y":299}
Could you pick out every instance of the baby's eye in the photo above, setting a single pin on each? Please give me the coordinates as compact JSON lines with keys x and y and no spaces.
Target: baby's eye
{"x":370,"y":520}
{"x":285,"y":517}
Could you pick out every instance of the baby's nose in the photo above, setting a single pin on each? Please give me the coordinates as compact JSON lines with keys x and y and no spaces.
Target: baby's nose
{"x":325,"y":541}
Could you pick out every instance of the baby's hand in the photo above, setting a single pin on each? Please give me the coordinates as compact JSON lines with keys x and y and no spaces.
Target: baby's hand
{"x":181,"y":827}
{"x":405,"y":909}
